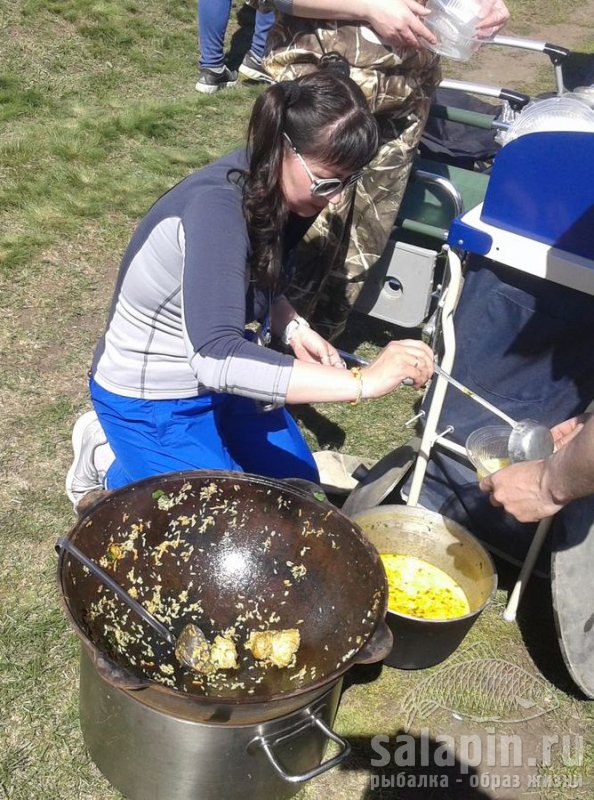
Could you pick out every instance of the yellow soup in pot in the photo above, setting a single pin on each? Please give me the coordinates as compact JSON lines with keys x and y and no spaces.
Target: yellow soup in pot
{"x":418,"y":589}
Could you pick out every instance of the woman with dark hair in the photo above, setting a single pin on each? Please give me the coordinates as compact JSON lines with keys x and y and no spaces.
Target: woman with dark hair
{"x":383,"y":43}
{"x":177,"y":382}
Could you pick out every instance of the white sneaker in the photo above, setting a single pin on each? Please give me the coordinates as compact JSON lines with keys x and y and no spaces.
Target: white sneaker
{"x":92,"y":458}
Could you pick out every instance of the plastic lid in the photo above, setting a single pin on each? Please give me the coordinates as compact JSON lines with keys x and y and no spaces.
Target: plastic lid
{"x":553,"y":114}
{"x":464,"y":12}
{"x":584,"y":93}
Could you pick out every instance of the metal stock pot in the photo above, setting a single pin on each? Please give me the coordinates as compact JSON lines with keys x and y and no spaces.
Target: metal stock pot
{"x":149,"y":754}
{"x":228,"y":551}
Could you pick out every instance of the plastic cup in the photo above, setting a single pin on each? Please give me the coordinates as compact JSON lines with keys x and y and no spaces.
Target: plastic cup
{"x":487,"y":449}
{"x":453,"y":22}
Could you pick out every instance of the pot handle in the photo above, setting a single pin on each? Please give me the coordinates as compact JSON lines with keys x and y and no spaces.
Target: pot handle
{"x":378,"y":647}
{"x":268,"y":743}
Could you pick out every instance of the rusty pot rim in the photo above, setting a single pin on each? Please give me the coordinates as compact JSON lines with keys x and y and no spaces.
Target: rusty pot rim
{"x":378,"y":633}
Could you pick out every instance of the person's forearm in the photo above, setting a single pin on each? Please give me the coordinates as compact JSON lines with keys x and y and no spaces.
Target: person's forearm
{"x":313,"y":383}
{"x":316,"y":9}
{"x":332,"y":9}
{"x":569,"y":473}
{"x":397,"y":23}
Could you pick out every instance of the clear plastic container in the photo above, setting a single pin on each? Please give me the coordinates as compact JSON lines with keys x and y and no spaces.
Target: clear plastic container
{"x":563,"y":113}
{"x":583,"y":93}
{"x":488,"y":449}
{"x":454,"y":23}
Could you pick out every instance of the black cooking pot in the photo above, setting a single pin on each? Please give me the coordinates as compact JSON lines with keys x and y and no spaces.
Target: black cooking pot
{"x":444,"y":543}
{"x":231,"y":552}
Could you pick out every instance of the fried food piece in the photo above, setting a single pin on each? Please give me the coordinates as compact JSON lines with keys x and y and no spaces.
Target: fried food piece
{"x":275,"y":647}
{"x":260,"y":643}
{"x":223,"y":653}
{"x":195,"y":652}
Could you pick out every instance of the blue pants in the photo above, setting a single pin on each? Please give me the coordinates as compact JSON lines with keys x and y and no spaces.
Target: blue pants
{"x":214,"y":431}
{"x":527,"y":346}
{"x":213,"y":18}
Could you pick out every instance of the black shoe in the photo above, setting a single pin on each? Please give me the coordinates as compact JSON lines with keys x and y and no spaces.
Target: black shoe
{"x":211,"y":81}
{"x":251,"y":68}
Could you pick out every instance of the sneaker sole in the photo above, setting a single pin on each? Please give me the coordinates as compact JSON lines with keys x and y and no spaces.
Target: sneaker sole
{"x":254,"y":75}
{"x":77,"y":435}
{"x":206,"y":89}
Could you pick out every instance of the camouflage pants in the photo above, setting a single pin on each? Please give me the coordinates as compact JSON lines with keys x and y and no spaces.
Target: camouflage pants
{"x":347,"y":239}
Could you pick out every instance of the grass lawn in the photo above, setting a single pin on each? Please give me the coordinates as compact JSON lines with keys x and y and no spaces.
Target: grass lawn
{"x":99,"y":116}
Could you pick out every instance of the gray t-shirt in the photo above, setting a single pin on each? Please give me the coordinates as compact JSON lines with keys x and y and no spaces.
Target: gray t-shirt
{"x":183,"y":298}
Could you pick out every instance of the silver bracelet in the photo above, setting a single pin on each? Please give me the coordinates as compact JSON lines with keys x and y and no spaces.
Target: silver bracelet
{"x":292,"y":328}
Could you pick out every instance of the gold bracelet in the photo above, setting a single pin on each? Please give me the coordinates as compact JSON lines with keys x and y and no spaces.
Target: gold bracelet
{"x":357,"y":375}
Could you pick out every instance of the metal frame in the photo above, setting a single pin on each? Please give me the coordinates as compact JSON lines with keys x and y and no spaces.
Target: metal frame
{"x":555,"y":53}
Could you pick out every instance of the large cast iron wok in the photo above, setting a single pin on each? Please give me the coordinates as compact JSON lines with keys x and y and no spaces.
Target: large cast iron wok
{"x":230,"y":552}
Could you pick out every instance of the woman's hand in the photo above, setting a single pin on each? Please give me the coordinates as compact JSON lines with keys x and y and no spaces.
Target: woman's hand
{"x":408,"y":358}
{"x":399,"y":23}
{"x":307,"y":345}
{"x":494,"y":15}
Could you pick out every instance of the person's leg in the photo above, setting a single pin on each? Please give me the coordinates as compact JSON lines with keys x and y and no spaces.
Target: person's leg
{"x":213,"y":17}
{"x":264,"y":23}
{"x":265,"y":442}
{"x":92,"y":458}
{"x":571,"y":567}
{"x":151,"y":437}
{"x":251,"y":66}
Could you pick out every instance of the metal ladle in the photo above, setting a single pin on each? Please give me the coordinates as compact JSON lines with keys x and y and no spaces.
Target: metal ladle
{"x":528,"y":441}
{"x":191,"y":646}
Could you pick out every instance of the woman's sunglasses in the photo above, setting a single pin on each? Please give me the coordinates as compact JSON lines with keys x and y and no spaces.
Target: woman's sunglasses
{"x":324,"y":187}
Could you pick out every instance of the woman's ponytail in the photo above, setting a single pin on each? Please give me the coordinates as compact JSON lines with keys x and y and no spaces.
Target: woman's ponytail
{"x":263,"y":203}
